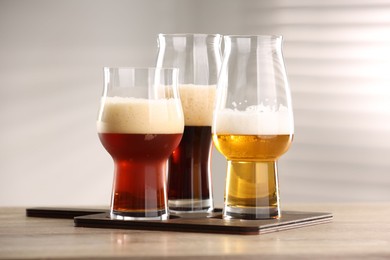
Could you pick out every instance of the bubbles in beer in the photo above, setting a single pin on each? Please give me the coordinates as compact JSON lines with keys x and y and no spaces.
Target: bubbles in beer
{"x":137,"y":115}
{"x":198,"y":104}
{"x":255,"y":120}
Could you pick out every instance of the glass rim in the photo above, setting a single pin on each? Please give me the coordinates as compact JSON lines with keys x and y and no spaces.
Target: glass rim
{"x":142,"y":68}
{"x":258,"y":36}
{"x":191,"y":34}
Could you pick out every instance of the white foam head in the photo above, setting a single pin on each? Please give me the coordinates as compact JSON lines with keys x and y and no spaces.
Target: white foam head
{"x":198,"y":104}
{"x":254,"y":122}
{"x":140,"y":116}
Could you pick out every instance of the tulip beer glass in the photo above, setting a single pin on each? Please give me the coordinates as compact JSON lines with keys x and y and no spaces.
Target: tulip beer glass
{"x":253,"y":124}
{"x":198,"y":58}
{"x":140,"y":123}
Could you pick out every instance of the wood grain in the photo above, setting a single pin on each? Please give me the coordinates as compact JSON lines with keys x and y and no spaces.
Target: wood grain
{"x":358,"y":231}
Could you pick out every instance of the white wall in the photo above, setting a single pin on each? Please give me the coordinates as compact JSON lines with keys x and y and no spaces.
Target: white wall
{"x":51,"y":59}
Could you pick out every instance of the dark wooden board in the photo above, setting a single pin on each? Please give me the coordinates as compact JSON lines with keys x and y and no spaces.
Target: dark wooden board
{"x":70,"y":213}
{"x":66,"y":213}
{"x":289,"y":220}
{"x":200,"y":222}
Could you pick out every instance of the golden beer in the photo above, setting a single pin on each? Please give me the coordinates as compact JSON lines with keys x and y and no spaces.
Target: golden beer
{"x":252,"y":176}
{"x":252,"y":147}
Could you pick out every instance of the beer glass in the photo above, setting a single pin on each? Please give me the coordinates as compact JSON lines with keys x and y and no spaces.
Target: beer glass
{"x":253,"y":124}
{"x":198,"y":58}
{"x":140,"y":123}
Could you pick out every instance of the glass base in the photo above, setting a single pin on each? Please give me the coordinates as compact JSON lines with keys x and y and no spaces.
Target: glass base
{"x":251,"y":212}
{"x":252,"y":190}
{"x":121,"y":215}
{"x":190,"y":206}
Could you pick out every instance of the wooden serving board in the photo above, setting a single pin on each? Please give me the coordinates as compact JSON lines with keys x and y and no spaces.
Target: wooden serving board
{"x":213,"y":223}
{"x":289,"y":219}
{"x":66,"y":213}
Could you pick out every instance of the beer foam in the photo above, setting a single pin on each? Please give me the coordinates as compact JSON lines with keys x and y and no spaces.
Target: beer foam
{"x":138,"y":115}
{"x":198,"y":104}
{"x":255,"y":120}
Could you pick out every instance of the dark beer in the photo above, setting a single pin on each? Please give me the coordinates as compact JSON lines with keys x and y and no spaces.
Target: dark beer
{"x":189,"y":177}
{"x":140,"y":165}
{"x":189,"y":171}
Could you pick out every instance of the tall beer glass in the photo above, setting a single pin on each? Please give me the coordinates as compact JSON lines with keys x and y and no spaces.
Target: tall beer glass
{"x":253,"y":124}
{"x":198,"y":58}
{"x":140,"y":123}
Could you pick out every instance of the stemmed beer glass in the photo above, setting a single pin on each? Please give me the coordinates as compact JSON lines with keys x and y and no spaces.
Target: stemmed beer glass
{"x":253,"y":124}
{"x":140,"y":123}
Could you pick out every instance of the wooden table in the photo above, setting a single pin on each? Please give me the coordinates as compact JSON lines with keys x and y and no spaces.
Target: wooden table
{"x":358,"y":231}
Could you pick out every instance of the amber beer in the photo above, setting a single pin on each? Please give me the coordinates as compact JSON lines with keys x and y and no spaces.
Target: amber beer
{"x":252,"y":186}
{"x":131,"y":131}
{"x":189,"y":178}
{"x":140,"y":162}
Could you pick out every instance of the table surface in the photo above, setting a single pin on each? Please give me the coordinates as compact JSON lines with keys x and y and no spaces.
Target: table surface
{"x":358,"y":231}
